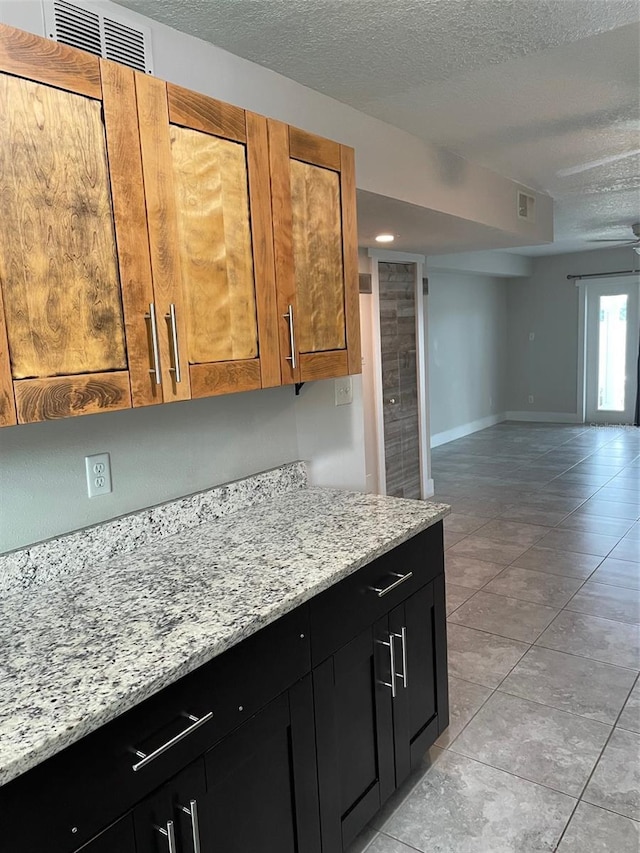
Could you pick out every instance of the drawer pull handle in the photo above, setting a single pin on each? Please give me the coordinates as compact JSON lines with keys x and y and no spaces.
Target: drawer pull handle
{"x":192,"y":811}
{"x":146,"y":759}
{"x":170,"y":834}
{"x":405,"y":674}
{"x":400,"y":579}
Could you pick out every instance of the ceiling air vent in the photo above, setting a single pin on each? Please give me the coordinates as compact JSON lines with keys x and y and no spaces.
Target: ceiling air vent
{"x":111,"y":37}
{"x":526,"y":206}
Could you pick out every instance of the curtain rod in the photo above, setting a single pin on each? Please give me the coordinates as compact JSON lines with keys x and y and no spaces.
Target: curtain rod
{"x":604,"y":274}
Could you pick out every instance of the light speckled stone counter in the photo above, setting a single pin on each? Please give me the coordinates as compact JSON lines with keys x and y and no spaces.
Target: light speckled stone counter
{"x":83,"y":648}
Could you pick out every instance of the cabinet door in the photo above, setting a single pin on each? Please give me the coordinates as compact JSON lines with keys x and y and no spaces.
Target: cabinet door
{"x":74,"y":269}
{"x":170,"y":819}
{"x":206,"y":174}
{"x":354,"y":734}
{"x":315,"y":237}
{"x":261,"y":782}
{"x":413,"y":628}
{"x":119,"y":838}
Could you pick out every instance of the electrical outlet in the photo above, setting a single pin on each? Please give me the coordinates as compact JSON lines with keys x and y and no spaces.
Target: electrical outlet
{"x":531,"y":398}
{"x":98,"y":470}
{"x":344,"y":391}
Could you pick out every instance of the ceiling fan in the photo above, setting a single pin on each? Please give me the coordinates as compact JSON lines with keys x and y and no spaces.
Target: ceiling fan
{"x":634,"y":243}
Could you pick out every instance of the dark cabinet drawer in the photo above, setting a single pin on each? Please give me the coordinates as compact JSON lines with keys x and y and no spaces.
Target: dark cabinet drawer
{"x":342,"y":612}
{"x":91,"y":783}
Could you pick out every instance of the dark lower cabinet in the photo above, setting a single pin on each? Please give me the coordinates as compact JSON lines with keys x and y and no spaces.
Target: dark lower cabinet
{"x":290,"y":742}
{"x":380,"y":704}
{"x":262,"y":791}
{"x":354,"y":736}
{"x":255,"y":791}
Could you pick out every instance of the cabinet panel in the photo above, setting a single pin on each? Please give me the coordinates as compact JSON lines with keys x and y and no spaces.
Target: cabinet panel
{"x":209,"y":209}
{"x":313,"y":190}
{"x":317,"y":252}
{"x":74,"y":267}
{"x":58,"y":261}
{"x":212,"y":204}
{"x":354,"y":735}
{"x":261,"y":782}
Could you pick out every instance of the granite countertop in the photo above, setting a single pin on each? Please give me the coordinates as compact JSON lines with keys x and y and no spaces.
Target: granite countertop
{"x":81,"y":649}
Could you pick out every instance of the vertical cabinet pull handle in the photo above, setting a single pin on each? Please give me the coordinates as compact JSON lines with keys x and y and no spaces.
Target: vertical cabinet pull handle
{"x":292,"y":337}
{"x":405,"y":674}
{"x":392,"y":665}
{"x":170,"y":834}
{"x":192,"y":811}
{"x":151,"y":316}
{"x":175,"y":350}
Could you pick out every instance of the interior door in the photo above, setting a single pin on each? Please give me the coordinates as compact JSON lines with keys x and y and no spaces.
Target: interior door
{"x":315,"y":238}
{"x":74,"y":268}
{"x":354,"y":732}
{"x":400,"y":399}
{"x":611,"y":364}
{"x":206,"y":173}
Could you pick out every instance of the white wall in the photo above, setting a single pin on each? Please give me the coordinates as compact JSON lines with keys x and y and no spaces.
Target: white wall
{"x":467,"y":325}
{"x":547,"y":305}
{"x":157,"y":454}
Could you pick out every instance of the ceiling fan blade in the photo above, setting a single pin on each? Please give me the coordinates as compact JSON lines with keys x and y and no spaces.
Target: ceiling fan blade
{"x":593,"y":164}
{"x":612,"y":240}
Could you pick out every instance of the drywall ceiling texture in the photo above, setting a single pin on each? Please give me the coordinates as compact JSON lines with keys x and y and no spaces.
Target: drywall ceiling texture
{"x":528,"y":88}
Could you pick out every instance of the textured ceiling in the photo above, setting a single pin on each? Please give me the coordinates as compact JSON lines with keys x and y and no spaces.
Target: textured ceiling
{"x":537,"y":90}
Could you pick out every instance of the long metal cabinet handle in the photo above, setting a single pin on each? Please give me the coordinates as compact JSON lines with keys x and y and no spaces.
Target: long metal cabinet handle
{"x":192,"y":811}
{"x":384,"y":590}
{"x":292,"y":337}
{"x":151,"y":316}
{"x":147,"y":759}
{"x":171,"y":317}
{"x":392,"y":662}
{"x":170,"y":835}
{"x":405,"y":676}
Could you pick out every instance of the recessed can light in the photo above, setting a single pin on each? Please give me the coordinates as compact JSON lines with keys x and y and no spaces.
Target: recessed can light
{"x":385,"y":238}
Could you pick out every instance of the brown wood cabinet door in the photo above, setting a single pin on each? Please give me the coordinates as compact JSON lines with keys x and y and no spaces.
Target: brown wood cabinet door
{"x":206,"y":172}
{"x":74,"y":271}
{"x":315,"y":237}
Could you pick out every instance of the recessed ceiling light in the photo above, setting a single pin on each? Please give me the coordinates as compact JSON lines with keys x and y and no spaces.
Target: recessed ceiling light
{"x":385,"y":238}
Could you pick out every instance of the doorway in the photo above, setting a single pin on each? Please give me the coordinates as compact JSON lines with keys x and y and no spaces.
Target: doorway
{"x":611,"y":363}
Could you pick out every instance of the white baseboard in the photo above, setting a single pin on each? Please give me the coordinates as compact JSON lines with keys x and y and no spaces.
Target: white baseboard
{"x":466,"y":429}
{"x":545,"y":417}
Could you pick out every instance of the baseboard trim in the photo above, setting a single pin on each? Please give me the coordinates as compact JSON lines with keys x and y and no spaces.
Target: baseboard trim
{"x":545,"y":417}
{"x":466,"y":429}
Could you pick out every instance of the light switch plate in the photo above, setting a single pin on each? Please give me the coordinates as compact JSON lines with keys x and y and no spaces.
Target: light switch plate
{"x":344,"y":391}
{"x":98,"y":468}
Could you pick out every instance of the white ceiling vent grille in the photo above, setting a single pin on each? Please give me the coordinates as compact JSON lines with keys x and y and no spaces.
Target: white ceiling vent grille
{"x":526,"y":207}
{"x":111,"y":37}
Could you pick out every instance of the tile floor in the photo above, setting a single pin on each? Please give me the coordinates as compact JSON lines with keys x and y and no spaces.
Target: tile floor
{"x":543,"y":596}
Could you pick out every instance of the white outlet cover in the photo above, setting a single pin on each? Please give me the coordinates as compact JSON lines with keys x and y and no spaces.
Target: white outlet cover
{"x":344,"y":391}
{"x":98,"y":470}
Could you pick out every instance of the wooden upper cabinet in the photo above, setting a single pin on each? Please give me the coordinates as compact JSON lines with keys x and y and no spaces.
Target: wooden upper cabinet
{"x":206,"y":174}
{"x":315,"y":237}
{"x":74,"y":270}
